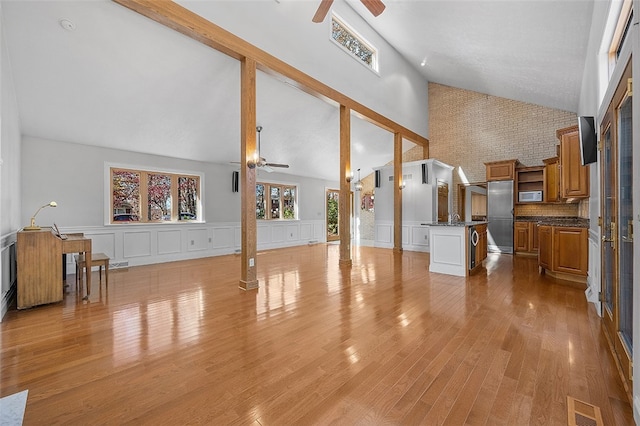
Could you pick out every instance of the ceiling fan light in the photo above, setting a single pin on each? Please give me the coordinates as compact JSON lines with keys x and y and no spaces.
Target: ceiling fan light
{"x":358,"y":186}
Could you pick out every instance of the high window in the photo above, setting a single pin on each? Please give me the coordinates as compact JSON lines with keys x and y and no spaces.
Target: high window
{"x":145,"y":196}
{"x":274,"y":201}
{"x":353,"y":43}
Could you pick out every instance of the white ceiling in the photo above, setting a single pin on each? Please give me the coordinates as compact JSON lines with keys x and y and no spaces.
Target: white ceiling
{"x":102,"y":85}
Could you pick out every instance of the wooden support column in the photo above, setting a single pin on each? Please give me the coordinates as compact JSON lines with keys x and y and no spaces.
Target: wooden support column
{"x":397,"y":192}
{"x":344,"y":206}
{"x":248,"y":278}
{"x":425,"y":151}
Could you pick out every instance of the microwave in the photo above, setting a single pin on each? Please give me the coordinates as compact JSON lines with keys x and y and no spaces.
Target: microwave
{"x":529,"y":196}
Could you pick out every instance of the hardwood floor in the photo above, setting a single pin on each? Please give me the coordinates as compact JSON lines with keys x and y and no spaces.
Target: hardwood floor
{"x":383,"y":342}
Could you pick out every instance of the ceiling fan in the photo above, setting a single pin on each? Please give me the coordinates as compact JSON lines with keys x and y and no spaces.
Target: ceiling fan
{"x":376,"y":7}
{"x":261,"y":162}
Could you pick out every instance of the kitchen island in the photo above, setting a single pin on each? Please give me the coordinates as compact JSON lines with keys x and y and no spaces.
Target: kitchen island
{"x":457,"y":248}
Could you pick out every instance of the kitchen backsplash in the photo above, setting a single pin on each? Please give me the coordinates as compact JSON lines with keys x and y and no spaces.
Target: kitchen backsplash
{"x":580,"y":209}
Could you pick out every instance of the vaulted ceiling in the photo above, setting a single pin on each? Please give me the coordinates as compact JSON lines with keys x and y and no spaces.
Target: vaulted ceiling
{"x":103,"y":85}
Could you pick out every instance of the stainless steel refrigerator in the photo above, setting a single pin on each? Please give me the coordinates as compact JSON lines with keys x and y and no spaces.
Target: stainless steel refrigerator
{"x":500,"y":216}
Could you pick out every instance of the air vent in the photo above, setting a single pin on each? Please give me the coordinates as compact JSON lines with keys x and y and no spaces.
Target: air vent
{"x":581,"y":413}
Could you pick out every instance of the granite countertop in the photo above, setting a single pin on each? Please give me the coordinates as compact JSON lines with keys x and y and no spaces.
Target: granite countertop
{"x":569,"y":221}
{"x":472,"y":223}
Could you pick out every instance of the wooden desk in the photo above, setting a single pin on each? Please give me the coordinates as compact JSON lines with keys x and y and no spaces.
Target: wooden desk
{"x":78,"y":243}
{"x":39,"y":266}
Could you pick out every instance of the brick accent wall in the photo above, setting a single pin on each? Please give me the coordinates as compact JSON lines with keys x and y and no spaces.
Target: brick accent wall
{"x":468,"y":129}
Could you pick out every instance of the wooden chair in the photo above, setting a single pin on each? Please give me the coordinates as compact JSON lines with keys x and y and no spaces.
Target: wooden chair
{"x":97,"y":259}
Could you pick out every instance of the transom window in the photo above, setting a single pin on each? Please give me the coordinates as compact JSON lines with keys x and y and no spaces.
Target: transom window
{"x":274,"y":201}
{"x":354,"y":44}
{"x":153,"y":196}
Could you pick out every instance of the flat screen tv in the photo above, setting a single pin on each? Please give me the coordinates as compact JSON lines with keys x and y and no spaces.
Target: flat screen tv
{"x":588,"y":140}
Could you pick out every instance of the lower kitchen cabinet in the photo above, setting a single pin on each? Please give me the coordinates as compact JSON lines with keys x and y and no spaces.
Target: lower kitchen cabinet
{"x":564,"y":252}
{"x":482,"y":242}
{"x":525,"y":238}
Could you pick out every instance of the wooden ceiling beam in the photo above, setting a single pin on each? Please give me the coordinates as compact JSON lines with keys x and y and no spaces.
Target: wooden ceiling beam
{"x":178,"y":18}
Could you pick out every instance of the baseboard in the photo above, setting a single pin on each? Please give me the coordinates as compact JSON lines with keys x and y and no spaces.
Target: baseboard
{"x":6,"y":301}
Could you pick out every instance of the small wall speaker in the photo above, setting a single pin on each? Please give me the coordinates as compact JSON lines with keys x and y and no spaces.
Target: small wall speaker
{"x":425,"y":177}
{"x":235,"y":181}
{"x":377,"y":178}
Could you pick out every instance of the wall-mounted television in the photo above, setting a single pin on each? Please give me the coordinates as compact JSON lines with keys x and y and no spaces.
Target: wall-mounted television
{"x":588,"y":140}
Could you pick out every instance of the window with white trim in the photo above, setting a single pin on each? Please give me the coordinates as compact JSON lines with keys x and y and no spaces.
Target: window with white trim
{"x":353,"y":43}
{"x":150,"y":196}
{"x":276,"y":201}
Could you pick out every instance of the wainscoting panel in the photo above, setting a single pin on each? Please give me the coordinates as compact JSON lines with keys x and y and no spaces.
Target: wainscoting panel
{"x":293,"y":233}
{"x":137,"y":244}
{"x":169,"y":242}
{"x":197,"y":239}
{"x":224,"y":237}
{"x":384,"y":234}
{"x":277,"y":233}
{"x":102,"y":243}
{"x":306,"y":231}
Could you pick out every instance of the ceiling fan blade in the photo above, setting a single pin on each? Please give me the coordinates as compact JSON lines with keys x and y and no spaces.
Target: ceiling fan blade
{"x":266,"y":168}
{"x":322,"y":11}
{"x":376,"y":7}
{"x":284,"y":166}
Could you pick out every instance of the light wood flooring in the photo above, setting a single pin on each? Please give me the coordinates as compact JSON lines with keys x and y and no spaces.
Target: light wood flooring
{"x":384,"y":342}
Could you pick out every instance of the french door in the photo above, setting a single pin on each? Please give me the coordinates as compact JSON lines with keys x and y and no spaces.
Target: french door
{"x":617,"y":230}
{"x":333,"y":226}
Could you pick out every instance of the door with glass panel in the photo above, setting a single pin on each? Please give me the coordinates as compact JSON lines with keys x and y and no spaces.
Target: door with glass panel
{"x":333,"y":228}
{"x":617,"y":230}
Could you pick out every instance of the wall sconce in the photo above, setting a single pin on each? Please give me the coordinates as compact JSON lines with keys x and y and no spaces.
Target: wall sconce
{"x":33,"y":226}
{"x":253,"y":162}
{"x":402,"y":185}
{"x":358,"y":185}
{"x":349,"y":177}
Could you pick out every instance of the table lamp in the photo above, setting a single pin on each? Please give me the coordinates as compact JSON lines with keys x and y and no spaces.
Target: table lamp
{"x":33,"y":226}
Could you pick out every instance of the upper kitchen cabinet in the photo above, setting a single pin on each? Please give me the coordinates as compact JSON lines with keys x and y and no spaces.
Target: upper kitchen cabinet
{"x":574,"y":177}
{"x":551,"y":192}
{"x":502,"y":170}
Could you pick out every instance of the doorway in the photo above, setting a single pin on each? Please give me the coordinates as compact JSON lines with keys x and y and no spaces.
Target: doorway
{"x":333,"y":226}
{"x":617,"y":230}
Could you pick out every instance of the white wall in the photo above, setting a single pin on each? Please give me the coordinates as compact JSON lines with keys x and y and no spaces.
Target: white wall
{"x":9,"y":174}
{"x":400,"y":94}
{"x":419,"y":204}
{"x":74,"y":178}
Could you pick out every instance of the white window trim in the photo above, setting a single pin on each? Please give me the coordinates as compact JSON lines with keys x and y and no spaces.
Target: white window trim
{"x":282,"y":183}
{"x":375,"y":68}
{"x":107,"y":192}
{"x":617,"y":17}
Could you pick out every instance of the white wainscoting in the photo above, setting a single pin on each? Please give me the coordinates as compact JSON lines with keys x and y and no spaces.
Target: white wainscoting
{"x":8,"y":271}
{"x":593,"y":276}
{"x":133,"y":244}
{"x":415,"y":237}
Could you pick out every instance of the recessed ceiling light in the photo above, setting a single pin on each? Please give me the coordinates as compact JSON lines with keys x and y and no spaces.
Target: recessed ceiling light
{"x":67,"y":24}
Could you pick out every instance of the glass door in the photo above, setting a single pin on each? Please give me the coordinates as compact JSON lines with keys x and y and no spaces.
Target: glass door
{"x":617,"y":229}
{"x":333,"y":229}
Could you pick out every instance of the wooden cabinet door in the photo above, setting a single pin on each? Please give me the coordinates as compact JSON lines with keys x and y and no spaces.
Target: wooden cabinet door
{"x":551,"y":192}
{"x":501,"y":170}
{"x":545,"y":242}
{"x":521,"y":236}
{"x":574,"y":177}
{"x":570,"y":250}
{"x":481,"y":250}
{"x":533,"y":237}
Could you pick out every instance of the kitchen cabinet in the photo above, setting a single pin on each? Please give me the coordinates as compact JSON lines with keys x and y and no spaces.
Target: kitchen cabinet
{"x":570,"y":250}
{"x":525,"y":238}
{"x":545,"y":240}
{"x":529,"y":179}
{"x":564,"y":252}
{"x":501,"y":170}
{"x":551,"y":191}
{"x":481,"y":253}
{"x":574,"y":177}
